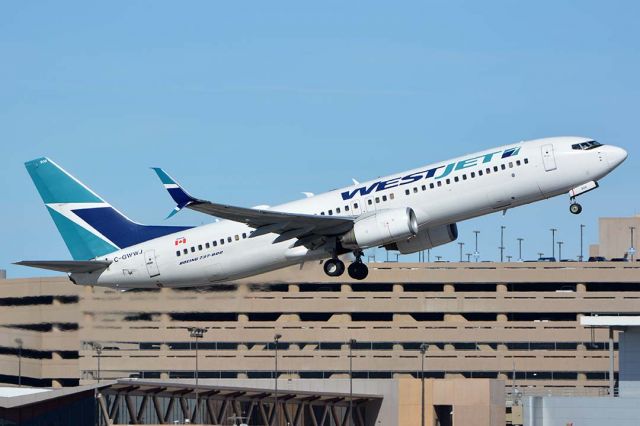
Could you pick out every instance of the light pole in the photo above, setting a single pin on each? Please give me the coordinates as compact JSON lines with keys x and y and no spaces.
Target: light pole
{"x":520,"y":240}
{"x":509,"y":258}
{"x":19,"y":343}
{"x":468,"y":257}
{"x":461,"y":246}
{"x":581,"y":232}
{"x":98,"y":349}
{"x":502,"y":228}
{"x":196,"y":333}
{"x":276,"y":339}
{"x":351,"y":343}
{"x":540,"y":254}
{"x":560,"y":243}
{"x":423,"y":349}
{"x":476,"y":254}
{"x":553,"y":241}
{"x":632,"y":250}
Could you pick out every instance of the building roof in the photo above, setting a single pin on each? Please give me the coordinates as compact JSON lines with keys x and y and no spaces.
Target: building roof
{"x":610,"y":321}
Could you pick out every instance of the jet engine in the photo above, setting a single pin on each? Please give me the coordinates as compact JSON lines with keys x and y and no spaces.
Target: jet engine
{"x":426,"y":239}
{"x":380,"y":228}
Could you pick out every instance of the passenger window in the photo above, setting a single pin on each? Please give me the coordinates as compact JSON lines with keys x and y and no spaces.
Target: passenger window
{"x":488,"y":170}
{"x":439,"y":183}
{"x":473,"y":174}
{"x":237,"y":237}
{"x":331,"y":212}
{"x":526,"y":161}
{"x":518,"y":163}
{"x":200,"y":247}
{"x":337,"y":209}
{"x":377,"y":200}
{"x":495,"y":168}
{"x":207,"y":245}
{"x":384,"y":198}
{"x":178,"y":253}
{"x":456,"y":179}
{"x":215,"y":243}
{"x":221,"y":241}
{"x":479,"y":172}
{"x":391,"y":196}
{"x":503,"y":167}
{"x":406,"y":191}
{"x":464,"y":177}
{"x":511,"y":164}
{"x":415,"y":189}
{"x":193,"y":249}
{"x":355,"y":205}
{"x":369,"y":201}
{"x":431,"y":185}
{"x":321,"y":213}
{"x":244,"y":235}
{"x":185,"y":251}
{"x":346,"y":208}
{"x":448,"y":181}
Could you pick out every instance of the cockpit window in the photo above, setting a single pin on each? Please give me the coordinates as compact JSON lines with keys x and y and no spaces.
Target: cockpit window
{"x":586,"y":145}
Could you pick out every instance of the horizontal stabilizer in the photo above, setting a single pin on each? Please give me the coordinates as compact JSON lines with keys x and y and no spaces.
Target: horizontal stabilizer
{"x":69,"y":266}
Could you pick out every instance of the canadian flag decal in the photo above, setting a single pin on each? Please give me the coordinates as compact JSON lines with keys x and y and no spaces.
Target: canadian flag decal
{"x":181,"y":240}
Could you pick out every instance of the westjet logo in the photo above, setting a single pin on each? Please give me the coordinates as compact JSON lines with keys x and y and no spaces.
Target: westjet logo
{"x":434,"y":173}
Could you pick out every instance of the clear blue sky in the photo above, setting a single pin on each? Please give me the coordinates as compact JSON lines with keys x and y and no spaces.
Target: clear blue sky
{"x":252,"y":103}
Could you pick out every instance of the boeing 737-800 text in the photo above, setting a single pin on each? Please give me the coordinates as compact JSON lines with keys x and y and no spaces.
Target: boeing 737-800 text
{"x":409,"y":212}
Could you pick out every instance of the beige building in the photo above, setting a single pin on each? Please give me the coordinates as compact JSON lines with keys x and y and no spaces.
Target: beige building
{"x":615,"y":237}
{"x":480,"y":320}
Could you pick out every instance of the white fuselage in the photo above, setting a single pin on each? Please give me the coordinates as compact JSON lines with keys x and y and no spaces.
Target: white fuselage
{"x":457,"y":190}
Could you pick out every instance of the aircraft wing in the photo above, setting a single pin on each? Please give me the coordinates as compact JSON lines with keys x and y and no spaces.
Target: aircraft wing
{"x":69,"y":266}
{"x":288,"y":225}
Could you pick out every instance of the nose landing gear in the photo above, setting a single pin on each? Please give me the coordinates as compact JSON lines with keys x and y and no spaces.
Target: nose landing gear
{"x":575,"y":208}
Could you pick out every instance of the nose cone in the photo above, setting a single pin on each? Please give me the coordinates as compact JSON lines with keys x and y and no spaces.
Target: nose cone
{"x":616,"y":155}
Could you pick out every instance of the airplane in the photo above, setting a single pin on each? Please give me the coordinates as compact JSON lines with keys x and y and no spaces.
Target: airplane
{"x":408,"y":211}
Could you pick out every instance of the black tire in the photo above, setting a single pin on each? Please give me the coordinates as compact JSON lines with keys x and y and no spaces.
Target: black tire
{"x":575,"y":208}
{"x":334,"y":267}
{"x":358,"y":270}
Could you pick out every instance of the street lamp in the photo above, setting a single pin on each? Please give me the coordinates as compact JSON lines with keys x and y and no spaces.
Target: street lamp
{"x":560,"y":243}
{"x":19,"y":342}
{"x":509,"y":258}
{"x":468,"y":257}
{"x":581,"y":232}
{"x":98,"y":348}
{"x":276,"y":338}
{"x":196,"y":333}
{"x":351,"y":343}
{"x":461,"y":246}
{"x":520,"y":240}
{"x":476,"y":254}
{"x":553,"y":241}
{"x":423,"y":349}
{"x":632,"y":250}
{"x":502,"y":228}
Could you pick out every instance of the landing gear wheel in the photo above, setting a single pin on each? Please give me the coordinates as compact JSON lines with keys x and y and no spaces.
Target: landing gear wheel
{"x":334,"y":267}
{"x":358,"y":270}
{"x":575,"y":208}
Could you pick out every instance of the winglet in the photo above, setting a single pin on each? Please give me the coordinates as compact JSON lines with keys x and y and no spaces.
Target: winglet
{"x":179,"y":195}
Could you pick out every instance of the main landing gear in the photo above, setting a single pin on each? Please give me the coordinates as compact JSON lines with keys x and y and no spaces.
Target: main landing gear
{"x":334,"y":267}
{"x":575,"y":208}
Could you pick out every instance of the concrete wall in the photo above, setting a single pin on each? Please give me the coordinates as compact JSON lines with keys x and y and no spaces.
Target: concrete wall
{"x":581,"y":411}
{"x":630,"y":362}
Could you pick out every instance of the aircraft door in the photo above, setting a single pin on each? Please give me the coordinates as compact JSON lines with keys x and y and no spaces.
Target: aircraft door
{"x":152,"y":265}
{"x":356,"y":208}
{"x":548,"y":159}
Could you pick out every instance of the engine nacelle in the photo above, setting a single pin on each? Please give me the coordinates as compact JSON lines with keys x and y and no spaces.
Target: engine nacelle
{"x":426,"y":239}
{"x":380,"y":228}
